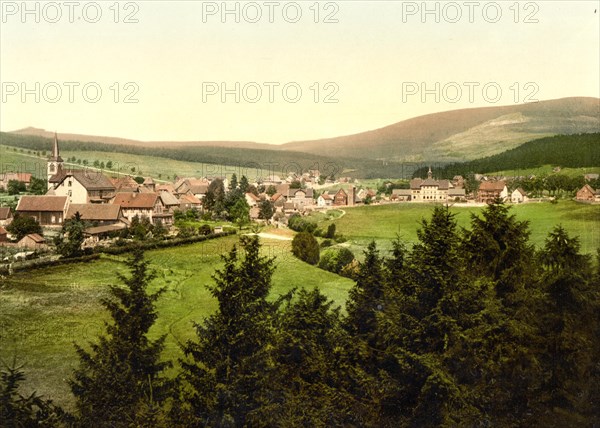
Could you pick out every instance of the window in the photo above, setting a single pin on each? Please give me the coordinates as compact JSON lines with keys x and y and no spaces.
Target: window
{"x":70,"y":183}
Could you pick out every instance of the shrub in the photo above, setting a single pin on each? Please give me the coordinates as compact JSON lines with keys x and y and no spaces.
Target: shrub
{"x":334,"y":260}
{"x":306,"y":248}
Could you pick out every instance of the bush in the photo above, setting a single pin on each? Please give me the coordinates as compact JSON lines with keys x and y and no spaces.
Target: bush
{"x":306,"y":248}
{"x":330,"y":231}
{"x":326,"y":243}
{"x":340,"y":239}
{"x":334,"y":260}
{"x":298,"y":224}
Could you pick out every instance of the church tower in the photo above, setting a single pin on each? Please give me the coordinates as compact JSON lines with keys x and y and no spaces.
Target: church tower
{"x":55,"y":162}
{"x":429,"y":174}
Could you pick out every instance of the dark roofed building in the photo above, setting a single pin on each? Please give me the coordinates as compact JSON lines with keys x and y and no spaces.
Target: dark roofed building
{"x":82,"y":186}
{"x":147,"y":205}
{"x":103,"y":214}
{"x":47,"y":210}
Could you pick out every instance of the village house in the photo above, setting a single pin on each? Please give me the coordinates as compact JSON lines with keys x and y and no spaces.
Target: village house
{"x":301,"y":198}
{"x":278,"y":201}
{"x":6,"y":216}
{"x":401,"y":195}
{"x":252,"y":199}
{"x":143,"y":205}
{"x":587,"y":194}
{"x":518,"y":196}
{"x":457,"y":194}
{"x":193,"y":187}
{"x":187,"y":202}
{"x":125,"y":184}
{"x":81,"y":186}
{"x":325,"y":199}
{"x":22,"y":177}
{"x":3,"y":234}
{"x":33,"y":241}
{"x":150,"y":184}
{"x":343,"y":198}
{"x":492,"y":190}
{"x":98,"y":215}
{"x":47,"y":210}
{"x":591,"y":176}
{"x":170,"y":202}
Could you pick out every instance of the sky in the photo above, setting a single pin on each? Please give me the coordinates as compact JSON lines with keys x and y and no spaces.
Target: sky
{"x":278,"y":71}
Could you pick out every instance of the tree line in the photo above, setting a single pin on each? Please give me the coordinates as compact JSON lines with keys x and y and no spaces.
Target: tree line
{"x":574,"y":151}
{"x":465,"y":328}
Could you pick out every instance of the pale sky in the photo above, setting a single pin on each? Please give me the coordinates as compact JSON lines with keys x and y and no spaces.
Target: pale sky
{"x":375,"y":61}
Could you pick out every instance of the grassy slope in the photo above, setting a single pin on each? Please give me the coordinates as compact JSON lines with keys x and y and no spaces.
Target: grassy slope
{"x":43,"y":313}
{"x":123,"y":162}
{"x":383,"y":222}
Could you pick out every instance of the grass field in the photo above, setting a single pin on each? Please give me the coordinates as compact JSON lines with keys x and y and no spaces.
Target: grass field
{"x":157,"y":167}
{"x":383,"y":222}
{"x":43,"y":312}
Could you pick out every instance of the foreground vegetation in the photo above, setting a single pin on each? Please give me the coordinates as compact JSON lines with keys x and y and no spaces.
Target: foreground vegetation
{"x":467,"y":327}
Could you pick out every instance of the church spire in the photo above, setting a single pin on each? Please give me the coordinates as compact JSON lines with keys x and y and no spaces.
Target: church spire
{"x":429,"y":173}
{"x":55,"y":152}
{"x":55,"y":162}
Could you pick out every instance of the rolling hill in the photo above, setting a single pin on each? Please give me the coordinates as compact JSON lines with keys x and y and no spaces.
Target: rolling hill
{"x":447,"y":137}
{"x":462,"y":135}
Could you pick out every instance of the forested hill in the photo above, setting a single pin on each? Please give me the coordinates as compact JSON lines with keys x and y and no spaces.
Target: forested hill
{"x":574,"y":151}
{"x":269,"y":160}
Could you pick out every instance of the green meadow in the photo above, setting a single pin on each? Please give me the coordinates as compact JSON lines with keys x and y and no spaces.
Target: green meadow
{"x":43,"y":312}
{"x":160,"y":168}
{"x":383,"y":223}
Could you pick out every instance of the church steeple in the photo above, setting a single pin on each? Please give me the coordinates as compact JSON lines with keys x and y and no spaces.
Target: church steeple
{"x":429,"y":173}
{"x":55,"y":162}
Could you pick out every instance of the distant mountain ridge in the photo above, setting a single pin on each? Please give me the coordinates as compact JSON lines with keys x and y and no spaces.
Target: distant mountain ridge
{"x":466,"y":134}
{"x":451,"y":136}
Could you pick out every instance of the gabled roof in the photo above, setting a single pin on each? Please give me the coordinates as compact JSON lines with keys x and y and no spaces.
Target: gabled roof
{"x":168,"y":198}
{"x":415,"y":183}
{"x":401,"y":192}
{"x":149,"y":180}
{"x":38,"y":239}
{"x":190,"y":199}
{"x":136,"y":200}
{"x":30,"y":203}
{"x":253,"y":197}
{"x":492,"y":185}
{"x":91,"y":212}
{"x":125,"y":184}
{"x":90,"y":179}
{"x":5,"y":213}
{"x":98,"y":230}
{"x":24,"y":177}
{"x":521,"y":191}
{"x":307,"y":192}
{"x":168,"y":187}
{"x":457,"y":192}
{"x":3,"y":231}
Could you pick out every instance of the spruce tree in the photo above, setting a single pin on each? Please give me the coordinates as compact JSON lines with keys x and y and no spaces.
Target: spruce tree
{"x":223,"y":379}
{"x":119,"y":382}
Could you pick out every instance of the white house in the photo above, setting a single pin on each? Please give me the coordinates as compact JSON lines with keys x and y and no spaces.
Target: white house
{"x":518,"y":196}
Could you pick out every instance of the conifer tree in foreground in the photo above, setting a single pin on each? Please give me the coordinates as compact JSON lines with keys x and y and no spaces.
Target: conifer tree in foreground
{"x":119,"y":382}
{"x":225,"y":377}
